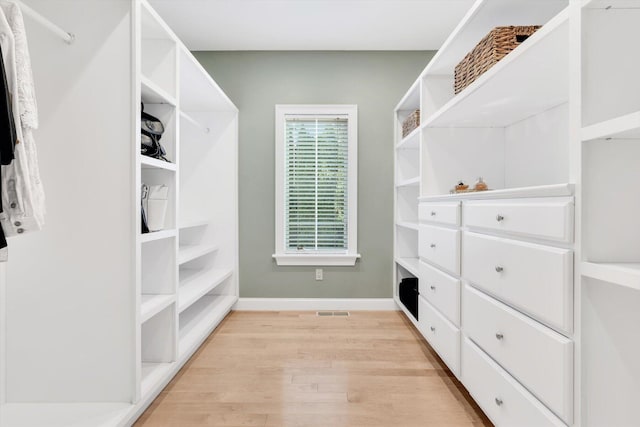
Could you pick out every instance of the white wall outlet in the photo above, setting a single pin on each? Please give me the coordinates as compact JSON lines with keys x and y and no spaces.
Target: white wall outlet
{"x":318,"y":274}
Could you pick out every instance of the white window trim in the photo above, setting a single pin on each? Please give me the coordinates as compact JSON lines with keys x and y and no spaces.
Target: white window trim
{"x":343,"y":258}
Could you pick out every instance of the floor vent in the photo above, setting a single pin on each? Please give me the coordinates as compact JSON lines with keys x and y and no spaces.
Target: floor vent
{"x":332,"y":313}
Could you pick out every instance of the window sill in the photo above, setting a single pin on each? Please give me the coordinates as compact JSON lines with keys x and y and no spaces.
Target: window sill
{"x":316,"y":259}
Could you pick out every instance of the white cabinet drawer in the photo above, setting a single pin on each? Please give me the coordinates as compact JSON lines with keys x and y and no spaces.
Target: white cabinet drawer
{"x":550,"y":219}
{"x":534,"y":278}
{"x":500,"y":396}
{"x":441,"y":334}
{"x":541,"y":359}
{"x":440,"y":246}
{"x":443,"y":213}
{"x":441,"y":290}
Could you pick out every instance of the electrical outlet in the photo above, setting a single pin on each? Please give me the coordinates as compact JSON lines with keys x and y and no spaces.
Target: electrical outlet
{"x":318,"y":274}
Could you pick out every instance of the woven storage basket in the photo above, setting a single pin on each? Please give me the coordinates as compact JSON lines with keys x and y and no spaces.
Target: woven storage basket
{"x":491,"y":49}
{"x":410,"y":123}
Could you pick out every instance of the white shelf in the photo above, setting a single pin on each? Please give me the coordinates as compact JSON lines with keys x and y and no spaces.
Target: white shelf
{"x":150,"y":305}
{"x":194,"y":284}
{"x":195,"y":224}
{"x":614,"y":4}
{"x":147,"y":162}
{"x":553,"y":190}
{"x":200,"y":319}
{"x":406,"y":312}
{"x":190,"y":252}
{"x":409,"y":182}
{"x":409,"y":225}
{"x":412,"y":265}
{"x":63,"y":414}
{"x":153,"y":374}
{"x":623,"y":274}
{"x":151,"y":93}
{"x":157,"y":235}
{"x":625,"y":127}
{"x":411,"y":100}
{"x":531,"y":79}
{"x":482,"y":18}
{"x":152,"y":25}
{"x":411,"y":141}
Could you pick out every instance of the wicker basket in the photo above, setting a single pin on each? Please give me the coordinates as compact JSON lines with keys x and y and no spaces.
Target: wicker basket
{"x":410,"y":123}
{"x":491,"y":49}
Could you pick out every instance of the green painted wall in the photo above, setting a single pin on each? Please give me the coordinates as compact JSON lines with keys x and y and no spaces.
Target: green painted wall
{"x":256,"y":82}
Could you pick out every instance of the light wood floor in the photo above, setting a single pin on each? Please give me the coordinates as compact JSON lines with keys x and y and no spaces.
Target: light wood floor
{"x":296,"y":369}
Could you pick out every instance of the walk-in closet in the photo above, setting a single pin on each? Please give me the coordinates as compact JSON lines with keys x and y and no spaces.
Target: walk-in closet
{"x":318,"y":213}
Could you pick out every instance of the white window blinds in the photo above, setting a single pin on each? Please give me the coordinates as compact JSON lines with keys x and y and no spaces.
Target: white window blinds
{"x":316,"y":190}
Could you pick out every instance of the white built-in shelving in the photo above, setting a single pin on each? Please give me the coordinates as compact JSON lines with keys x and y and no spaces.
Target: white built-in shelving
{"x":150,"y":305}
{"x":626,"y":127}
{"x":514,"y":126}
{"x":170,"y":288}
{"x":158,"y":235}
{"x":196,"y":283}
{"x":409,"y":264}
{"x":197,"y":322}
{"x":409,"y":182}
{"x":152,"y":93}
{"x":503,"y":95}
{"x":408,"y":225}
{"x":188,"y":253}
{"x":151,"y":163}
{"x":609,"y":287}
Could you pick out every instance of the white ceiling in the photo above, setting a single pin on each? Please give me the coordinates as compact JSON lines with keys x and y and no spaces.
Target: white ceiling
{"x":312,"y":24}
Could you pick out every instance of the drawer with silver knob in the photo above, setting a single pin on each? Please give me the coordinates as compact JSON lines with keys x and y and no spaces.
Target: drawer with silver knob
{"x":548,"y":218}
{"x":505,"y":401}
{"x":535,"y":279}
{"x":538,"y":357}
{"x":440,"y":212}
{"x":440,"y":246}
{"x":441,"y":334}
{"x":441,"y":290}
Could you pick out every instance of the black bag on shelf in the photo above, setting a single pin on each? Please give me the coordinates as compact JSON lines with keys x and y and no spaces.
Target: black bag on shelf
{"x":151,"y":129}
{"x":408,"y":293}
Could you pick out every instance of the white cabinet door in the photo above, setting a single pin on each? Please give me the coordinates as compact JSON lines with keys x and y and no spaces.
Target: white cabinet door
{"x":441,"y":246}
{"x":499,"y":395}
{"x":442,"y":213}
{"x":541,"y":359}
{"x":550,"y":219}
{"x":536,"y":279}
{"x":441,"y":290}
{"x":443,"y":336}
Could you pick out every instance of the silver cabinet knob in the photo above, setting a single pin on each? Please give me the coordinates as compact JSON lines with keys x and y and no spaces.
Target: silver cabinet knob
{"x":498,"y":401}
{"x":499,"y":218}
{"x":499,"y":269}
{"x":433,"y":245}
{"x":433,"y":213}
{"x":433,"y":329}
{"x":433,"y":288}
{"x":499,"y":336}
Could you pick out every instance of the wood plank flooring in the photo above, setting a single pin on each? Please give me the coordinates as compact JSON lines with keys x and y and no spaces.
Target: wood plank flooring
{"x":296,"y":369}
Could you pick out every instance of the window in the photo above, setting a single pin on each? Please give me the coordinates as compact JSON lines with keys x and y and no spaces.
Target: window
{"x":316,"y":184}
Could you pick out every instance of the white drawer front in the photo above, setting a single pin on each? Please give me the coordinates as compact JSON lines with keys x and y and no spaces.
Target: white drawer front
{"x":443,"y":213}
{"x":550,"y":219}
{"x":443,"y":336}
{"x":541,"y":359}
{"x":441,"y":246}
{"x":441,"y":290}
{"x":500,"y":396}
{"x":534,"y":278}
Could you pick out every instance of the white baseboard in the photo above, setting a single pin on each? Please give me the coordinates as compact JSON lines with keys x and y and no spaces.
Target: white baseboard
{"x":313,"y":304}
